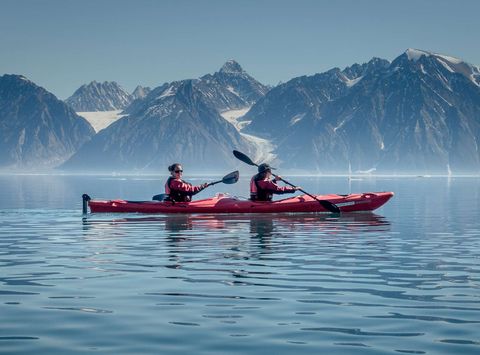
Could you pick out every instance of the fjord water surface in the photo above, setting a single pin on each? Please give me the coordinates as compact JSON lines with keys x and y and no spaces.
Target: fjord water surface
{"x":404,"y":279}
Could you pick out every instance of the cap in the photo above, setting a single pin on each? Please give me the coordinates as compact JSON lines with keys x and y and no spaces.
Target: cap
{"x":264,"y":167}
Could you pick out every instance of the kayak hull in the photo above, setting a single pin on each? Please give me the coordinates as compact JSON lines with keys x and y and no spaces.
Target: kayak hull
{"x":367,"y":201}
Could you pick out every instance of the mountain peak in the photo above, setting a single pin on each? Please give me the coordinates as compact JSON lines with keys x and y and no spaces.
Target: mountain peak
{"x":140,"y":92}
{"x":452,"y":64}
{"x":231,"y":66}
{"x":16,"y":77}
{"x":415,"y":54}
{"x":97,"y":96}
{"x":95,"y":83}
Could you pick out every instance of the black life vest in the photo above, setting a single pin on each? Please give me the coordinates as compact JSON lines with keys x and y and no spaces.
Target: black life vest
{"x":175,"y":195}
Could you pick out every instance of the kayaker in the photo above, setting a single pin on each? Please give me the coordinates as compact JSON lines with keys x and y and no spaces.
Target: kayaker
{"x":262,"y":187}
{"x":179,"y":190}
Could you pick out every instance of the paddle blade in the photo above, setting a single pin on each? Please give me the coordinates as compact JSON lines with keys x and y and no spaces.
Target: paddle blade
{"x":231,"y":178}
{"x":243,"y":157}
{"x":329,"y":206}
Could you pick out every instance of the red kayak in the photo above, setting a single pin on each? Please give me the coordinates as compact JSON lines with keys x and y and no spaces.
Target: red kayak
{"x":367,"y":201}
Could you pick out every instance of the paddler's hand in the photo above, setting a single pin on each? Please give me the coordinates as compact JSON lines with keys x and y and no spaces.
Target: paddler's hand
{"x":297,"y":188}
{"x":203,"y":186}
{"x":278,"y":178}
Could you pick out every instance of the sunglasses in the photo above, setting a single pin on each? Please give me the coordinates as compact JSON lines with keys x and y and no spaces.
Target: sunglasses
{"x":179,"y":171}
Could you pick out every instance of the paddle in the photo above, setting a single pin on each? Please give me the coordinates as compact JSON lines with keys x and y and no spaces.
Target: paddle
{"x":231,"y":178}
{"x":325,"y":204}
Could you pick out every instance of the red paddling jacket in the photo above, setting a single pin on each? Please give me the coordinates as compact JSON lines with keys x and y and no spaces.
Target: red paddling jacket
{"x":179,"y":190}
{"x":262,"y":189}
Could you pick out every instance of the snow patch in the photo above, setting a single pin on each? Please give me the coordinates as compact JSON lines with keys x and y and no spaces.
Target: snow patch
{"x":415,"y":54}
{"x":263,"y":147}
{"x":450,"y":59}
{"x":340,"y":125}
{"x":168,"y":92}
{"x":296,"y":118}
{"x":445,"y":65}
{"x":232,"y":90}
{"x":101,"y":119}
{"x":352,"y":82}
{"x":232,"y":116}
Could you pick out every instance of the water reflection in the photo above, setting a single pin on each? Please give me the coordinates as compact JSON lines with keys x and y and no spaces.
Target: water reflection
{"x":261,"y":225}
{"x":234,"y":236}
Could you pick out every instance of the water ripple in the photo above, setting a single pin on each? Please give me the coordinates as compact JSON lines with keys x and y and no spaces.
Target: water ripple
{"x":356,"y":331}
{"x":307,"y":283}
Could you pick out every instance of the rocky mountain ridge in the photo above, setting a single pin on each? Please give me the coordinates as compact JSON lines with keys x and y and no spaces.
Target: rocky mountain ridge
{"x":418,"y":114}
{"x":37,"y":130}
{"x":95,"y":96}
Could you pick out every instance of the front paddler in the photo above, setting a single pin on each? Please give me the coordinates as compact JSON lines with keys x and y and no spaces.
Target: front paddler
{"x":177,"y":189}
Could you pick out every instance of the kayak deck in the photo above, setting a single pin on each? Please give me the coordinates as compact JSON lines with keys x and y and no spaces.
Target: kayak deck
{"x":367,"y":201}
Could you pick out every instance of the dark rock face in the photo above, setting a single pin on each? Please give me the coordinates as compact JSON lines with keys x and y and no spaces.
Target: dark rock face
{"x":36,"y":129}
{"x":106,"y":96}
{"x":420,"y":114}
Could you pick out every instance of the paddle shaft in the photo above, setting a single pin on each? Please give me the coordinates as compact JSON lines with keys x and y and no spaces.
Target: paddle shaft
{"x":292,"y":185}
{"x":213,"y":183}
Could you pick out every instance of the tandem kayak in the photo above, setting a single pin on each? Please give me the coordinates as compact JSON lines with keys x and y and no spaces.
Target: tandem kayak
{"x":367,"y":201}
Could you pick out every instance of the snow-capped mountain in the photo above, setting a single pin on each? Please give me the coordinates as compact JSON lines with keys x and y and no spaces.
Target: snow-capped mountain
{"x":452,"y":64}
{"x":36,"y":129}
{"x":106,"y":96}
{"x":140,"y":92}
{"x":176,"y":122}
{"x":303,"y":98}
{"x":420,"y":113}
{"x":231,"y":88}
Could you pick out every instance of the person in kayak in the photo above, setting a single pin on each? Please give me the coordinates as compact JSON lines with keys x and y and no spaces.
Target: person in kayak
{"x":177,"y":189}
{"x":262,"y":187}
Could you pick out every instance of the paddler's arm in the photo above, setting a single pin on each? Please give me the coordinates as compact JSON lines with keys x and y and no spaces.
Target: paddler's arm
{"x":187,"y":187}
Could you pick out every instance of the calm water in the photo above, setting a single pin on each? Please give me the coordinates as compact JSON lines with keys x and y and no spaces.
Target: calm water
{"x":405,"y":279}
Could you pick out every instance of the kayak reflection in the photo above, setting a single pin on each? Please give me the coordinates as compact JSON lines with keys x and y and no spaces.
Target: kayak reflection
{"x":240,"y":238}
{"x":260,"y":224}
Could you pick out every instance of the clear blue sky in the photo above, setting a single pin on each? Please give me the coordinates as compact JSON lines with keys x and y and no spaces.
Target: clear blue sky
{"x":62,"y":44}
